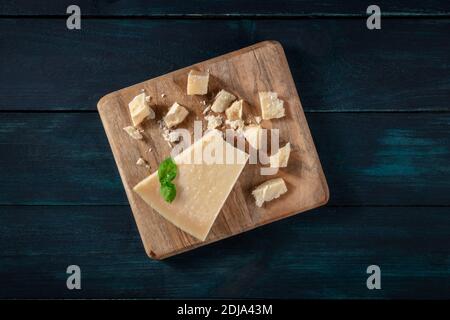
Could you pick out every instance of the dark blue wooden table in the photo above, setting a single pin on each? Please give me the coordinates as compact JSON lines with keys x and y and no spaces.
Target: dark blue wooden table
{"x":378,"y":105}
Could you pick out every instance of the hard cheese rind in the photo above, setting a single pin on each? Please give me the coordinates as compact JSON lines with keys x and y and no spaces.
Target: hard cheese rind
{"x":201,"y":188}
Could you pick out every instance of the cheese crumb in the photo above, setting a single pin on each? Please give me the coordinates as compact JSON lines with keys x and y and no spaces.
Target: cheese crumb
{"x":222,"y":101}
{"x":281,"y":158}
{"x":258,"y":119}
{"x":237,"y":125}
{"x":271,"y":106}
{"x":213,"y":121}
{"x":234,"y":112}
{"x":269,"y":190}
{"x":133,"y":132}
{"x":176,"y":115}
{"x":254,"y":134}
{"x":139,"y":109}
{"x":141,"y":162}
{"x":163,"y":95}
{"x":197,"y":83}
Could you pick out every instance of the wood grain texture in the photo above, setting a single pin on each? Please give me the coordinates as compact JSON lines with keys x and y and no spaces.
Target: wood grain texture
{"x":261,"y":67}
{"x":224,"y":8}
{"x":391,"y":159}
{"x":323,"y":254}
{"x":339,"y":64}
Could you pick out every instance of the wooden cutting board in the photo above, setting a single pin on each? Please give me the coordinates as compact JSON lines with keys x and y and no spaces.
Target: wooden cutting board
{"x":261,"y":67}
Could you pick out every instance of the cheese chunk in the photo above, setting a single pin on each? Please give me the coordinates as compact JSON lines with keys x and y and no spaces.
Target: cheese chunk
{"x":234,"y":112}
{"x":254,"y":135}
{"x":139,"y":109}
{"x":213,"y":121}
{"x":197,"y":82}
{"x":271,"y":106}
{"x":281,"y":158}
{"x":133,"y":132}
{"x":176,"y":115}
{"x":269,"y":190}
{"x":222,"y":101}
{"x":201,"y":188}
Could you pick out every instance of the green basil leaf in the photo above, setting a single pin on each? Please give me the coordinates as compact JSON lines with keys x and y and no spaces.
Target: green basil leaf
{"x":168,"y":191}
{"x":167,"y":170}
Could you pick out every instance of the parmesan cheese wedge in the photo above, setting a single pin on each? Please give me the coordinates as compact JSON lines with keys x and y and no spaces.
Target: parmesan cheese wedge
{"x":271,"y":106}
{"x":269,"y":190}
{"x":201,"y":188}
{"x":222,"y":101}
{"x":176,"y":114}
{"x":139,"y":109}
{"x":234,"y":112}
{"x":197,"y":83}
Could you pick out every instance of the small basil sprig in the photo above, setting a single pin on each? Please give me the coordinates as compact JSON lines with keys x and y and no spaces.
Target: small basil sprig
{"x":167,"y":171}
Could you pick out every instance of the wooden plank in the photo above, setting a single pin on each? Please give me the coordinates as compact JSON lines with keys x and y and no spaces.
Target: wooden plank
{"x":226,"y":8}
{"x":322,"y":254}
{"x":338,"y":64}
{"x":368,"y":158}
{"x":245,"y":72}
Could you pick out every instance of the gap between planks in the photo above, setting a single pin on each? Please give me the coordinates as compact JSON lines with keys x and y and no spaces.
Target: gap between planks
{"x":236,"y":16}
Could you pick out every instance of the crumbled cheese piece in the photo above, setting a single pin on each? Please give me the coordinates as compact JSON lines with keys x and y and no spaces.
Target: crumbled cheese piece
{"x":163,"y":95}
{"x":140,"y":110}
{"x":222,"y":101}
{"x":197,"y":82}
{"x":133,"y":132}
{"x":281,"y":158}
{"x":149,"y":150}
{"x":176,"y":115}
{"x":269,"y":190}
{"x":141,"y":162}
{"x":203,"y":103}
{"x":271,"y":106}
{"x":237,"y":125}
{"x":213,"y":121}
{"x":258,"y":119}
{"x":254,"y":134}
{"x":234,"y":112}
{"x":148,"y":98}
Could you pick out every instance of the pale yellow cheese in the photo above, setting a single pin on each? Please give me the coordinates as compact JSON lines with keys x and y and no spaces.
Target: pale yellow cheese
{"x":271,"y":106}
{"x":133,"y":132}
{"x":213,"y":121}
{"x":234,"y":112}
{"x":254,"y":136}
{"x":201,"y":188}
{"x":281,"y":158}
{"x":139,"y":109}
{"x":237,"y":125}
{"x":222,"y":101}
{"x":197,"y":83}
{"x":269,"y":190}
{"x":176,"y":114}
